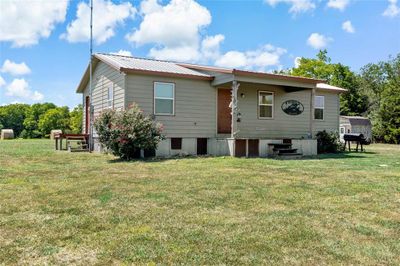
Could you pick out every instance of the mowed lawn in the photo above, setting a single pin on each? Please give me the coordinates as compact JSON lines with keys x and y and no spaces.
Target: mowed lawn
{"x":81,"y":208}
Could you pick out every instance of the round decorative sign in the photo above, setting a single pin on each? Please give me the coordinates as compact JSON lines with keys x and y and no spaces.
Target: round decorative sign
{"x":292,"y":107}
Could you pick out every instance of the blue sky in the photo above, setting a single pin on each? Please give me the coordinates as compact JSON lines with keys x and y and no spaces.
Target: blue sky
{"x":44,"y":47}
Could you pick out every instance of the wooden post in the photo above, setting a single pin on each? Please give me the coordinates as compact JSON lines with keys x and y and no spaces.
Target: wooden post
{"x":234,"y":108}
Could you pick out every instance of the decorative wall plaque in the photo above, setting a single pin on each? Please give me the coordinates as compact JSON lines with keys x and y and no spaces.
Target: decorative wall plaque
{"x":292,"y":107}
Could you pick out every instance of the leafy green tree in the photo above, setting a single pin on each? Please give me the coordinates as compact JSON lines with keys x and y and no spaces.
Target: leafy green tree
{"x":12,"y":116}
{"x":31,"y":121}
{"x":381,"y":83}
{"x":56,"y":118}
{"x":76,"y":116}
{"x":353,"y":102}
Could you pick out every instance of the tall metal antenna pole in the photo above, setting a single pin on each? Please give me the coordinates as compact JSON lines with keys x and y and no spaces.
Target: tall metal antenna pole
{"x":90,"y":81}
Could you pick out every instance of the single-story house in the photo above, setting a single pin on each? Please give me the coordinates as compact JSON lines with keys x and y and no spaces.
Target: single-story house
{"x":355,"y":124}
{"x":214,"y":110}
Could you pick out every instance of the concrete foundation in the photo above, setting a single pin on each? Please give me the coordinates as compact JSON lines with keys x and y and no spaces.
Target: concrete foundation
{"x":225,"y":147}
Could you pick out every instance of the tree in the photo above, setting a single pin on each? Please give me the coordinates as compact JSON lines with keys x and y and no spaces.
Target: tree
{"x":124,"y":133}
{"x":353,"y":102}
{"x":76,"y":116}
{"x":56,"y":118}
{"x":381,"y":83}
{"x":12,"y":117}
{"x":33,"y":114}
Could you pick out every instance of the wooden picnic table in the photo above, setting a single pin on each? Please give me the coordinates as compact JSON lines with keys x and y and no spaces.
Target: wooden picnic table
{"x":68,"y":137}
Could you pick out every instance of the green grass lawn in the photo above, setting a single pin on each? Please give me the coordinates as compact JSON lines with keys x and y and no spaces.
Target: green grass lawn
{"x":81,"y":208}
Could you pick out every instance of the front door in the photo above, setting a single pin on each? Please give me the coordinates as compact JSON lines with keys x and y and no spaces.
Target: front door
{"x":224,"y":118}
{"x":87,"y":114}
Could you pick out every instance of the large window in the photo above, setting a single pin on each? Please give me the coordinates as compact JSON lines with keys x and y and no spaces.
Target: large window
{"x":319,"y":105}
{"x":110,"y":96}
{"x":164,"y":98}
{"x":265,"y":104}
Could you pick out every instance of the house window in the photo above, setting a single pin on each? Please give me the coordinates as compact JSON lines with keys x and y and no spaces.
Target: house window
{"x":319,"y":105}
{"x":265,"y":104}
{"x":176,"y":143}
{"x":342,"y":130}
{"x":164,"y":98}
{"x":110,"y":96}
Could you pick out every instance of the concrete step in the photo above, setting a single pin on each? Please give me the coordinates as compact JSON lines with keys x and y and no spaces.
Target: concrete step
{"x":289,"y":156}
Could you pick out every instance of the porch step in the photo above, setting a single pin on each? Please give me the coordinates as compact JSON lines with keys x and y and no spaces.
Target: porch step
{"x":289,"y":156}
{"x":285,"y":150}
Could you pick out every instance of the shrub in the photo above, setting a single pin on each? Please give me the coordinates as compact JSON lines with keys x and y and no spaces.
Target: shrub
{"x":328,"y":142}
{"x":124,"y":133}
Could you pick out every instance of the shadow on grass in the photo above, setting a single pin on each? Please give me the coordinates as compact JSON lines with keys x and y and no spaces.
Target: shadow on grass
{"x":343,"y":155}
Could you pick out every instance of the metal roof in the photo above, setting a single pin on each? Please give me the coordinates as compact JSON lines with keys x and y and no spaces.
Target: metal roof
{"x":357,"y":120}
{"x":135,"y":65}
{"x":130,"y":64}
{"x":324,"y":86}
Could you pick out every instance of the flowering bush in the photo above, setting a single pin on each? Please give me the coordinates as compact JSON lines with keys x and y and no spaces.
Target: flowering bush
{"x":125,"y":133}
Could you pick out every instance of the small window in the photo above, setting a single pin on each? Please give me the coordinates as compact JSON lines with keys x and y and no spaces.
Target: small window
{"x":176,"y":143}
{"x":342,"y":130}
{"x":319,"y":105}
{"x":164,"y":98}
{"x":265,"y":104}
{"x":110,"y":96}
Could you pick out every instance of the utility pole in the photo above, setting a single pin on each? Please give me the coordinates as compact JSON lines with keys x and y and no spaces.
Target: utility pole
{"x":91,"y":112}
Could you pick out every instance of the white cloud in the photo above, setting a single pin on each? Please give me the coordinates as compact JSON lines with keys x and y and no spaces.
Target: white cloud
{"x":2,"y":82}
{"x":318,"y":41}
{"x":348,"y":27}
{"x":210,"y":46}
{"x":177,"y":32}
{"x":20,"y":88}
{"x":297,"y":62}
{"x":259,"y":59}
{"x":123,"y":52}
{"x":338,"y":4}
{"x":296,"y":6}
{"x":24,"y":23}
{"x":392,"y":10}
{"x":15,"y":69}
{"x":175,"y":26}
{"x":106,"y":17}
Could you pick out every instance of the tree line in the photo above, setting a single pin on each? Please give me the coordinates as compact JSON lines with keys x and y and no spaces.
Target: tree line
{"x":374,"y":92}
{"x":37,"y":120}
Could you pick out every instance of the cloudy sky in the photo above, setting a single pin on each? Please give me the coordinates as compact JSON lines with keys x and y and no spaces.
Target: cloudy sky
{"x":44,"y":43}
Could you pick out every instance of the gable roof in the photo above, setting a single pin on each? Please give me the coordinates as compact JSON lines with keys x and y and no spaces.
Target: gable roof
{"x":357,"y":120}
{"x":324,"y":86}
{"x":135,"y":65}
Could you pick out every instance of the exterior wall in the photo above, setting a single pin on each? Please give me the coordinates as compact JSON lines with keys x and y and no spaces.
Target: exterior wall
{"x":281,"y":125}
{"x":330,"y":123}
{"x":103,"y":77}
{"x":195,"y":105}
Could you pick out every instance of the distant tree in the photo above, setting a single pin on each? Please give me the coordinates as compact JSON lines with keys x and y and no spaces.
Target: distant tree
{"x":353,"y":102}
{"x":31,"y":129}
{"x":76,"y":116}
{"x":12,"y":116}
{"x":57,"y":118}
{"x":381,"y":83}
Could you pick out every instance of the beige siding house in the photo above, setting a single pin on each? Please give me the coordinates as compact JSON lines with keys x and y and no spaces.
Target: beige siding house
{"x":210,"y":110}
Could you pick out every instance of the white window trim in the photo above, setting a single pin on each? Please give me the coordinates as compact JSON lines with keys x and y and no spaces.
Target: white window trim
{"x":110,"y":106}
{"x":272,"y":105}
{"x":164,"y":98}
{"x":323,"y":107}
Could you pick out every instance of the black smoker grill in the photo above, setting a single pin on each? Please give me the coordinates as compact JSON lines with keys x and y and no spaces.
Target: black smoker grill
{"x":355,"y":137}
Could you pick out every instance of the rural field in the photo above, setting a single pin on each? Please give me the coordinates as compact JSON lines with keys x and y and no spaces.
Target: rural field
{"x":81,"y":208}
